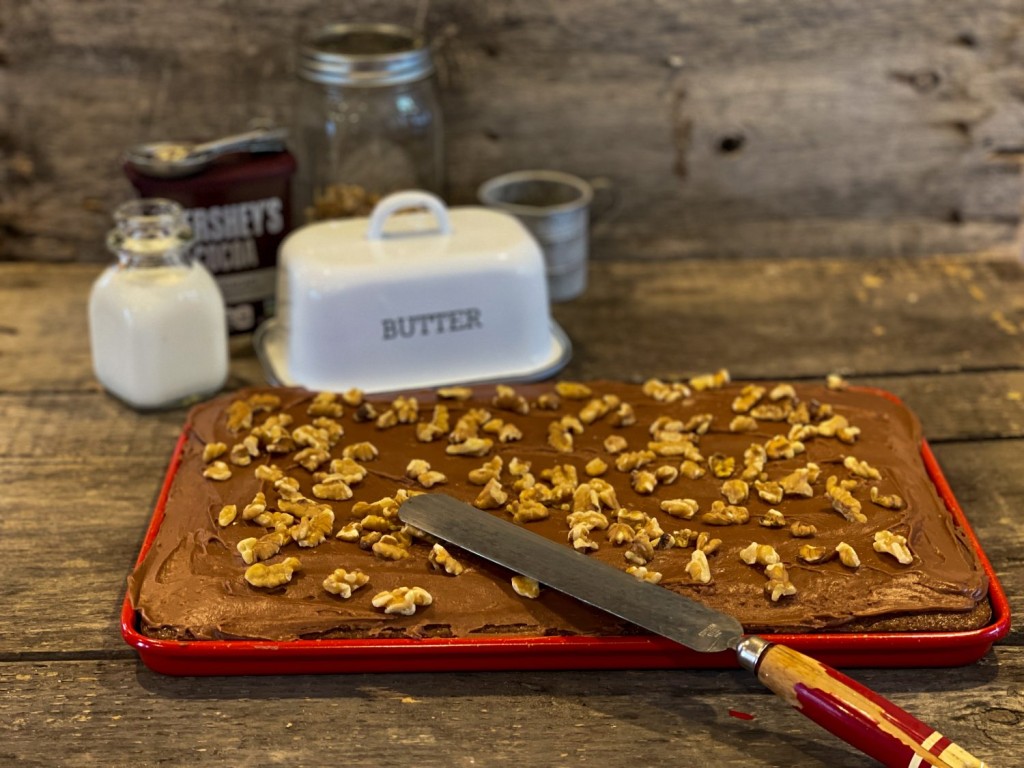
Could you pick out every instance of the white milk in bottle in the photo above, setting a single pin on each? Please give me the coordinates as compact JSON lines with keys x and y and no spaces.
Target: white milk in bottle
{"x":156,"y":318}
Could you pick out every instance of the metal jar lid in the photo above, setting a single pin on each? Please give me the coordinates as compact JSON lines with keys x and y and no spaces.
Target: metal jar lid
{"x":366,"y":55}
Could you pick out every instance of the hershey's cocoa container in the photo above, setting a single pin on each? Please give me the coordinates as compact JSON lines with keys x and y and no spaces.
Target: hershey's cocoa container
{"x":239,"y":208}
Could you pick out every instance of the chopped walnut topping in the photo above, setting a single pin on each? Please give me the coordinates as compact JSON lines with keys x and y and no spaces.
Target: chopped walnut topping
{"x":217,"y":470}
{"x":743,"y":423}
{"x":366,"y":411}
{"x":213,"y":451}
{"x":620,"y":533}
{"x":798,"y":483}
{"x":748,"y":397}
{"x":848,"y":435}
{"x":836,"y":382}
{"x":585,"y":498}
{"x":474,"y":446}
{"x":889,"y":501}
{"x":528,"y":511}
{"x":720,"y":514}
{"x":773,"y":518}
{"x":455,"y":393}
{"x":407,"y":409}
{"x":387,"y":420}
{"x":561,"y":433}
{"x":845,"y":504}
{"x":663,"y":392}
{"x":597,"y":408}
{"x":615,"y":444}
{"x":698,"y":569}
{"x":624,"y":416}
{"x":692,"y":470}
{"x":782,"y":392}
{"x":643,"y":574}
{"x":270,"y":576}
{"x":343,"y":583}
{"x":312,"y":530}
{"x":255,"y":507}
{"x":635,"y":517}
{"x":707,"y":381}
{"x":353,"y":397}
{"x":666,"y":474}
{"x":847,"y":555}
{"x":227,"y":515}
{"x":630,"y":460}
{"x":595,"y":467}
{"x":588,"y":518}
{"x":579,"y":536}
{"x":489,"y":470}
{"x":325,"y":404}
{"x":781,"y":447}
{"x":441,"y":560}
{"x":830,"y":426}
{"x":754,"y":459}
{"x":427,"y":432}
{"x":264,"y":401}
{"x":239,"y":455}
{"x":769,"y":491}
{"x":893,"y":544}
{"x":388,"y":547}
{"x":363,"y":451}
{"x":861,"y":468}
{"x":801,"y":432}
{"x":402,"y":600}
{"x":348,"y":471}
{"x":548,"y":401}
{"x":524,"y":586}
{"x":735,"y":491}
{"x":506,"y":399}
{"x":641,"y":549}
{"x":268,"y":472}
{"x":706,"y":544}
{"x":350,"y":532}
{"x":239,"y":416}
{"x":759,"y":554}
{"x":643,"y":482}
{"x":810,"y":553}
{"x":254,"y":550}
{"x":801,"y":530}
{"x":310,"y":459}
{"x":770,"y":411}
{"x":491,"y":496}
{"x":573,"y":390}
{"x":722,"y":466}
{"x":778,"y":585}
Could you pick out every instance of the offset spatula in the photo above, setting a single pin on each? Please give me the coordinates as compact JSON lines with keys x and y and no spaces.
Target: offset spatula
{"x":852,"y":712}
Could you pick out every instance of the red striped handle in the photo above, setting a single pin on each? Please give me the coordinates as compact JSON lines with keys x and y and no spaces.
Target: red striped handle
{"x":856,"y":714}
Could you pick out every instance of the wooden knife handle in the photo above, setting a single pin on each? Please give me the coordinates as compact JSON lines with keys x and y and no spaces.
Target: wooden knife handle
{"x":852,"y":712}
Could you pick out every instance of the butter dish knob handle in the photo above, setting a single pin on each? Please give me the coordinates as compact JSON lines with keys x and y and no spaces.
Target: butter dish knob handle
{"x":402,"y":201}
{"x":856,"y":714}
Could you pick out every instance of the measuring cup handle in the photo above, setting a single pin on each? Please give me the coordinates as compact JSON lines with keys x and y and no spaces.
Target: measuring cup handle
{"x":400,"y":201}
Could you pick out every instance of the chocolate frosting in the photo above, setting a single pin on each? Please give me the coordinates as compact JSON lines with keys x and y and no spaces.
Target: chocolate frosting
{"x":190,"y":584}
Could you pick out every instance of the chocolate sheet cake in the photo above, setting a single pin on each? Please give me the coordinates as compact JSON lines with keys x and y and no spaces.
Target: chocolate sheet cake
{"x":796,"y":508}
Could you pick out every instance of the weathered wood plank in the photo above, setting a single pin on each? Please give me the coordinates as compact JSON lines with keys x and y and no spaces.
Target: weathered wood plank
{"x":118,"y":713}
{"x":789,"y":128}
{"x":796,"y":318}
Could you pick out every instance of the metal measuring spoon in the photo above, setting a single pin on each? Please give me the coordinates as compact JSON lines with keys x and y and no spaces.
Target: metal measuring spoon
{"x":169,"y":159}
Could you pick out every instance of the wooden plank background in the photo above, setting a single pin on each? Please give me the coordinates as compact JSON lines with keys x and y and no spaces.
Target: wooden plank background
{"x":724,"y":128}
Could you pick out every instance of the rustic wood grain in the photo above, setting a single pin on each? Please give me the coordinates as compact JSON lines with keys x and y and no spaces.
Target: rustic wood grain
{"x":775,"y":129}
{"x":796,"y":318}
{"x":121,"y":714}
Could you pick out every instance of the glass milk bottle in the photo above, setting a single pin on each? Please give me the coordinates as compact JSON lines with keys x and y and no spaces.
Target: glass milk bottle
{"x":156,"y":318}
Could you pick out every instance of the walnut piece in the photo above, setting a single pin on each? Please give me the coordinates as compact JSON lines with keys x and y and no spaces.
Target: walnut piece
{"x":681,"y":508}
{"x":402,"y":600}
{"x":893,"y":544}
{"x":524,"y":586}
{"x":270,"y":576}
{"x":888,"y":501}
{"x":643,"y":574}
{"x":227,"y":515}
{"x":343,"y":583}
{"x":698,"y":569}
{"x":254,"y":550}
{"x":217,"y":470}
{"x":847,"y":555}
{"x":441,"y":560}
{"x":759,"y":554}
{"x":778,"y":585}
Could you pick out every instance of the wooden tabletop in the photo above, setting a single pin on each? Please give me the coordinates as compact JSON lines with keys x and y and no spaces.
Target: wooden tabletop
{"x":79,"y":474}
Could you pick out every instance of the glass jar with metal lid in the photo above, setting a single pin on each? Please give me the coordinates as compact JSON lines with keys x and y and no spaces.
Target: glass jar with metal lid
{"x":369,"y":121}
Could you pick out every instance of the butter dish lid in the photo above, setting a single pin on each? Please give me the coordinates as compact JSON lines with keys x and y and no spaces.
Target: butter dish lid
{"x":416,"y":295}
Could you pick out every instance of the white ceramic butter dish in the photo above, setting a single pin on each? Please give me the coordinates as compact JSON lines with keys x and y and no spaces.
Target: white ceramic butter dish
{"x":430,"y":297}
